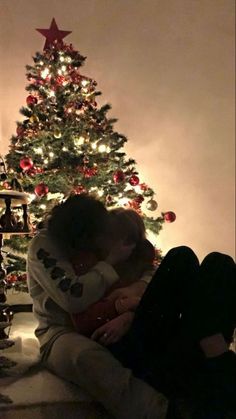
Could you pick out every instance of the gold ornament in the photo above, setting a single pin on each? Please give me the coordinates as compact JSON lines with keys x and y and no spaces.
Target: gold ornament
{"x":152,"y":205}
{"x":57,"y":133}
{"x":34,"y":119}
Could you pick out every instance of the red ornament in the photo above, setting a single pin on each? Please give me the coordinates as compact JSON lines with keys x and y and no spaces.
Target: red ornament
{"x":79,"y":189}
{"x":89,"y":172}
{"x":39,"y":169}
{"x":144,"y":187}
{"x":41,"y":189}
{"x":6,"y":185}
{"x":75,"y":77}
{"x":31,"y":100}
{"x":139,"y":199}
{"x":118,"y":176}
{"x":26,"y":163}
{"x":169,"y":216}
{"x":22,"y":277}
{"x":134,"y":205}
{"x":32,"y":171}
{"x":134,"y":180}
{"x":20,"y":130}
{"x":53,"y":34}
{"x":60,"y":80}
{"x":11,"y":279}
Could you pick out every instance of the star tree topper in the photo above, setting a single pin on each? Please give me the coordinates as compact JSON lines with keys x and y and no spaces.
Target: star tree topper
{"x":53,"y":34}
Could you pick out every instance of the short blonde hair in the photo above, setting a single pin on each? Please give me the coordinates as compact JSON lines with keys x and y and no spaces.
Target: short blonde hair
{"x":127,"y":224}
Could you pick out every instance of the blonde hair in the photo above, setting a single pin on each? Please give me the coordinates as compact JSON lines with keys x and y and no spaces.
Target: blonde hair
{"x":127,"y":223}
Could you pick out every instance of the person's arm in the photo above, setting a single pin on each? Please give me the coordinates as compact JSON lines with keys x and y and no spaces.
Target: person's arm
{"x":56,"y":276}
{"x":136,"y":289}
{"x":114,"y":330}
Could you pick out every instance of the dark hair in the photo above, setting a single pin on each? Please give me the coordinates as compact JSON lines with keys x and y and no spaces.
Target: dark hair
{"x":74,"y":223}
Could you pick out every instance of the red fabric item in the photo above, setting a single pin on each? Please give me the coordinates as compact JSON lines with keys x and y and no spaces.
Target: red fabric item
{"x":95,"y":316}
{"x":130,"y":271}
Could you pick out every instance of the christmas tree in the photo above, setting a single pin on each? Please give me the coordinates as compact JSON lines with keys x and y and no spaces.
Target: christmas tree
{"x":66,"y":143}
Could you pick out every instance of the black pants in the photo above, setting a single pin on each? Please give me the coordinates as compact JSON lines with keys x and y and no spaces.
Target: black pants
{"x":185,"y":302}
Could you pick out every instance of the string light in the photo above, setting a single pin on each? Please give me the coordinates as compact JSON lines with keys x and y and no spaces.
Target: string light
{"x":38,"y":150}
{"x":79,"y":141}
{"x":84,"y":83}
{"x":123,"y":201}
{"x":102,"y":148}
{"x":44,"y":73}
{"x":100,"y":192}
{"x":51,"y":154}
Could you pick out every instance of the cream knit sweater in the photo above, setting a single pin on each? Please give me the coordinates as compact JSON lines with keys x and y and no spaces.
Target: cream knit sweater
{"x":57,"y":291}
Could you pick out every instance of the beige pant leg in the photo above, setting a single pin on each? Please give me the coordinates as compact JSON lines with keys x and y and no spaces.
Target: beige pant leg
{"x":92,"y":367}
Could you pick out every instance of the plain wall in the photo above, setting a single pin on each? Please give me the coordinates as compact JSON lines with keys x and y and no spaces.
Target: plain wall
{"x":167,"y":69}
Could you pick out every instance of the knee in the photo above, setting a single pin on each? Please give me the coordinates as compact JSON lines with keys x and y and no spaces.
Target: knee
{"x":217,"y":259}
{"x":183,"y":252}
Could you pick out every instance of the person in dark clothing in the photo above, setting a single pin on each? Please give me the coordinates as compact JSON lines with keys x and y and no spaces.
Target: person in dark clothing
{"x":179,"y":340}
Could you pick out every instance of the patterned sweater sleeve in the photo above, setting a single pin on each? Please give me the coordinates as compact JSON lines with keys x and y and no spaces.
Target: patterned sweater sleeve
{"x":48,"y":270}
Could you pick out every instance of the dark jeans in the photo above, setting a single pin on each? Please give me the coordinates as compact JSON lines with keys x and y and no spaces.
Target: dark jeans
{"x":185,"y":302}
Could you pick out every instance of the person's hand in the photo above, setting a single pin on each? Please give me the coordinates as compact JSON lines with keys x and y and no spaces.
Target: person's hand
{"x":114,"y":330}
{"x":119,"y":252}
{"x":127,"y":304}
{"x":137,"y":289}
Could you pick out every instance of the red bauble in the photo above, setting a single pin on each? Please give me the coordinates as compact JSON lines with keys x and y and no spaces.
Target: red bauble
{"x":90,"y":171}
{"x":60,"y":80}
{"x":134,"y":180}
{"x":11,"y":279}
{"x":118,"y":176}
{"x":79,"y":189}
{"x":139,"y":199}
{"x":41,"y":189}
{"x":143,"y":186}
{"x":134,"y":205}
{"x":6,"y":185}
{"x":26,"y":163}
{"x":31,"y":100}
{"x":169,"y":216}
{"x":39,"y":169}
{"x":20,"y":131}
{"x":32,"y":171}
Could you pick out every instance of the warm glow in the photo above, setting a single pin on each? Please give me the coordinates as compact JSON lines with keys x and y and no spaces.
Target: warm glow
{"x":102,"y":148}
{"x":84,"y":83}
{"x":79,"y":141}
{"x":45,"y":73}
{"x":38,"y":150}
